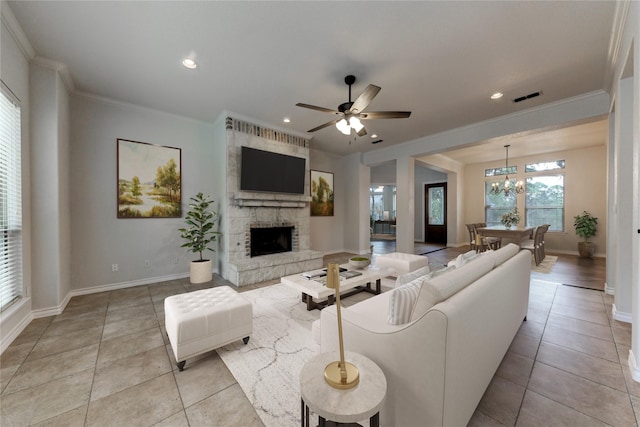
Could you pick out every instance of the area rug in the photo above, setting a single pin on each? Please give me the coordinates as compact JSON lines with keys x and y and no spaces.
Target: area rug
{"x":545,"y":266}
{"x":268,"y":367}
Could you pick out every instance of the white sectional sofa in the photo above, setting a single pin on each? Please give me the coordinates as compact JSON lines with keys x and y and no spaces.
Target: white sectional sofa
{"x":439,"y":364}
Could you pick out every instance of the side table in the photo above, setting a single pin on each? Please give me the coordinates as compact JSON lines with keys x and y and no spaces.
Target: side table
{"x":342,"y":406}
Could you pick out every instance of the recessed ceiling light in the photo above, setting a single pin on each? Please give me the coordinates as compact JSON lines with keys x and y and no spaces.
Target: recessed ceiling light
{"x":497,"y":95}
{"x":189,"y":63}
{"x":286,"y":120}
{"x":374,"y":136}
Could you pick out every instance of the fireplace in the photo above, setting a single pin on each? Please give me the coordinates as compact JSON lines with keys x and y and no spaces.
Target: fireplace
{"x":270,"y":240}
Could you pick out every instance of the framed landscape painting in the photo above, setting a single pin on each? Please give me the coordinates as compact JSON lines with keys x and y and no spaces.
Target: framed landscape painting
{"x":149,"y":180}
{"x":321,"y":193}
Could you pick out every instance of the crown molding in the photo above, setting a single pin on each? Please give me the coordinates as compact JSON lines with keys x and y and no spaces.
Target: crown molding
{"x":59,"y":67}
{"x":9,"y":20}
{"x":614,"y":54}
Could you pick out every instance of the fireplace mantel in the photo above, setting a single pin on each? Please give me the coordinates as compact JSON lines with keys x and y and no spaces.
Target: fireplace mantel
{"x":251,"y":199}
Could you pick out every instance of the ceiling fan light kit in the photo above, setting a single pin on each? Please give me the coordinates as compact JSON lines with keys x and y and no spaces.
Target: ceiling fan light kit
{"x":350,"y":113}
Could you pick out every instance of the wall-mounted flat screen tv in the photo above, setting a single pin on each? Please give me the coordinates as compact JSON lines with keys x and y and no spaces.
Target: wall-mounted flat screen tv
{"x":271,"y":172}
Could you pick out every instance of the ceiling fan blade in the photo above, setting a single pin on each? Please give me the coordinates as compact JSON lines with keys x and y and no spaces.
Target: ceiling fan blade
{"x":362,"y":132}
{"x":315,"y":107}
{"x":385,"y":115}
{"x":365,"y":98}
{"x":332,"y":122}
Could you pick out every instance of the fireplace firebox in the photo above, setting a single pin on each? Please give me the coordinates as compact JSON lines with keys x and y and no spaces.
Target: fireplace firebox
{"x":271,"y":240}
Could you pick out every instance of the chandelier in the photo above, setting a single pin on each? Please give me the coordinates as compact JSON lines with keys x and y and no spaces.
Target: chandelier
{"x":506,"y":187}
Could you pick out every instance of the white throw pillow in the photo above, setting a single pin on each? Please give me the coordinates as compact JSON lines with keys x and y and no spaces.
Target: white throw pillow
{"x":403,"y":279}
{"x":402,"y":300}
{"x":462,"y":259}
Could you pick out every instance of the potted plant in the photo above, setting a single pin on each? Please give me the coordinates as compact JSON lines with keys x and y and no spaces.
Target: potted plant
{"x":510,"y":218}
{"x":586,"y":227}
{"x":199,"y":234}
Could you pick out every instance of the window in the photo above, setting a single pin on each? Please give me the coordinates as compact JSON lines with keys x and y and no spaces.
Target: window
{"x":10,"y":200}
{"x":381,"y":207}
{"x":497,"y":204}
{"x":544,"y":202}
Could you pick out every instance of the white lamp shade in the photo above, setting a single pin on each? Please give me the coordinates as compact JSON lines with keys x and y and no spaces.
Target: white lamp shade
{"x":343,"y":127}
{"x":355,"y":124}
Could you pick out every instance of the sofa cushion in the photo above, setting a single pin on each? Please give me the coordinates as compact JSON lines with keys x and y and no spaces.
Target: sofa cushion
{"x":504,"y":253}
{"x":462,"y":259}
{"x":438,"y":289}
{"x":402,"y":300}
{"x":403,"y":279}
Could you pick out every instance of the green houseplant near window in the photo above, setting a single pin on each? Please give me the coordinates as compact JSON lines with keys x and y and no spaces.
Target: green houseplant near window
{"x":586,"y":227}
{"x":199,"y":234}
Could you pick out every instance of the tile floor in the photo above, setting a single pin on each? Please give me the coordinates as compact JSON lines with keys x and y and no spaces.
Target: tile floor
{"x":106,"y":361}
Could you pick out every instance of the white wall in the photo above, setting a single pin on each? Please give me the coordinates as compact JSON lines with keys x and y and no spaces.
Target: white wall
{"x":51,"y":280}
{"x":585,"y":189}
{"x":98,"y":238}
{"x":327,"y":231}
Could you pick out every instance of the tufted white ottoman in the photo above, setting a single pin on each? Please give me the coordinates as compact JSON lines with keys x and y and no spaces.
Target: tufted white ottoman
{"x":402,"y":263}
{"x":204,"y":320}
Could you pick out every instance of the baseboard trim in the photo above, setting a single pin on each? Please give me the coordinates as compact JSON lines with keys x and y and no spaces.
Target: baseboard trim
{"x":21,"y":309}
{"x":129,"y":284}
{"x":52,"y":311}
{"x":620,"y":315}
{"x":633,"y":366}
{"x":609,"y":290}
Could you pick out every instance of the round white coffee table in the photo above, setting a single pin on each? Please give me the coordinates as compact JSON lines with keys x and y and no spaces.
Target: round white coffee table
{"x":342,"y":406}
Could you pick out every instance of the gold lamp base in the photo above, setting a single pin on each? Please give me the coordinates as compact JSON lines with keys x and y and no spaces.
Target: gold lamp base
{"x":332,"y":375}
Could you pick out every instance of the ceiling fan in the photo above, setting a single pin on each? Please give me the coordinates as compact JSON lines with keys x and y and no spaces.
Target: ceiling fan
{"x":350,"y":113}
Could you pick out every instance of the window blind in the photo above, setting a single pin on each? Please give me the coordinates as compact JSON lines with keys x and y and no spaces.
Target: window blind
{"x":11,"y":288}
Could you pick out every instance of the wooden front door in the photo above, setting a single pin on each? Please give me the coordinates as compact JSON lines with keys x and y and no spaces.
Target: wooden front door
{"x":435,"y":200}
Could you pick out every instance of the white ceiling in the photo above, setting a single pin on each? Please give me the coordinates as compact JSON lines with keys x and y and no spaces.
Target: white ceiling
{"x":440,"y":60}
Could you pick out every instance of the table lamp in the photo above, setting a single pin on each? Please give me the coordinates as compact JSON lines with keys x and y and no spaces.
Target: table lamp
{"x":340,"y":374}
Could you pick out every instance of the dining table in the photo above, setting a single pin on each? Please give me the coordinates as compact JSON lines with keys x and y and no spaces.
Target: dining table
{"x":516,"y":233}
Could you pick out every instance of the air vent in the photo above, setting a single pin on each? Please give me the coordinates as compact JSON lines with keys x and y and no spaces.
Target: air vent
{"x":525,"y":97}
{"x":376,"y":142}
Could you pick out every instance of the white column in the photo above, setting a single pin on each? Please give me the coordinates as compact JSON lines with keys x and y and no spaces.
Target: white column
{"x":405,"y":193}
{"x":634,"y":231}
{"x":612,"y":228}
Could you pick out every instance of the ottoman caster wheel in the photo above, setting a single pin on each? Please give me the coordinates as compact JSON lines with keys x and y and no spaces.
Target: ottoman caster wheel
{"x":245,"y":340}
{"x":181,"y":365}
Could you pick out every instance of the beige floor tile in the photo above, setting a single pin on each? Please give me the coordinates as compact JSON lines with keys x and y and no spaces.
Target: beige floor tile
{"x":579,"y":303}
{"x":502,"y":400}
{"x":43,"y":370}
{"x":229,"y":408}
{"x":515,"y":368}
{"x":75,"y":324}
{"x":525,"y":345}
{"x":124,"y":303}
{"x":73,"y":340}
{"x":128,"y":294}
{"x":72,"y":418}
{"x":101,"y":298}
{"x":129,"y":326}
{"x":82,"y":312}
{"x":128,"y":345}
{"x":543,"y":307}
{"x":144,"y":404}
{"x":622,"y":336}
{"x":203,"y":378}
{"x":176,"y":420}
{"x":635,"y":402}
{"x":129,"y":371}
{"x":48,"y":400}
{"x":532,"y":329}
{"x":538,"y":411}
{"x":539,"y":316}
{"x":599,"y":317}
{"x":33,"y":331}
{"x":579,"y":293}
{"x":581,"y":327}
{"x":6,"y":374}
{"x":583,"y":343}
{"x":590,"y":367}
{"x":15,"y":354}
{"x":595,"y":400}
{"x":129,"y":312}
{"x":478,"y":419}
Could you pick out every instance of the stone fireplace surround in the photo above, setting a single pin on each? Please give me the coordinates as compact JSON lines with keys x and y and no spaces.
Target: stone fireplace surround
{"x":247,"y":209}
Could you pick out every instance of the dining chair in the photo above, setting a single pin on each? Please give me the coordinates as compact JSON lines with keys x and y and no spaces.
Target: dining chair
{"x":472,"y":237}
{"x":491,"y":242}
{"x":535,"y":244}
